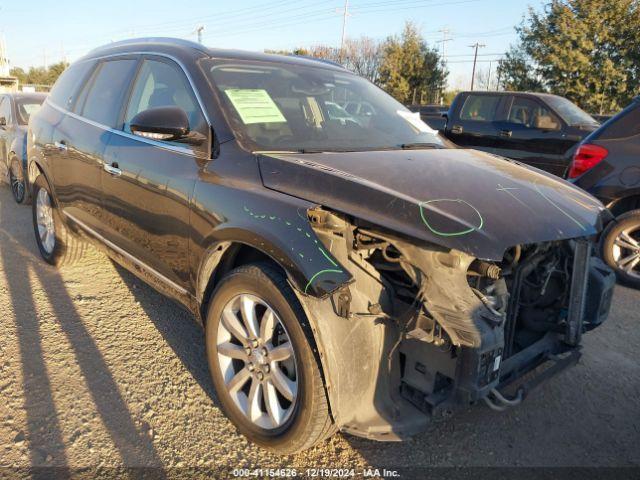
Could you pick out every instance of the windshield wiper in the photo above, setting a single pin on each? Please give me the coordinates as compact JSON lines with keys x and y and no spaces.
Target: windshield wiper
{"x":419,"y":146}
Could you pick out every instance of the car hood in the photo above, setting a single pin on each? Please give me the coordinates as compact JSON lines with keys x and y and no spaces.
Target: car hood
{"x":463,"y":199}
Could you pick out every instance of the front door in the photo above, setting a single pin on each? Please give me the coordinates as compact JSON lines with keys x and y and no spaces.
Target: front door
{"x":149,"y":185}
{"x":534,"y":135}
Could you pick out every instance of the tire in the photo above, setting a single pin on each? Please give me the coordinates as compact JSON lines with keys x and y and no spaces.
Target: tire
{"x":64,"y":248}
{"x":620,"y":241}
{"x":17,"y":182}
{"x":307,"y":420}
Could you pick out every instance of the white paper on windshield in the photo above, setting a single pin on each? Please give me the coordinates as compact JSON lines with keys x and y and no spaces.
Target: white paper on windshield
{"x":416,"y":122}
{"x":255,"y":106}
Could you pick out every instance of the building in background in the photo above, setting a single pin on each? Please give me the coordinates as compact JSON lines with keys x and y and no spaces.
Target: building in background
{"x":7,"y":82}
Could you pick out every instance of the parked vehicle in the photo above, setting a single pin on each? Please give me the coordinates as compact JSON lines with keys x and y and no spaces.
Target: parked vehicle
{"x":607,"y":165}
{"x":15,"y":110}
{"x":433,"y":115}
{"x":537,"y":129}
{"x":359,"y":277}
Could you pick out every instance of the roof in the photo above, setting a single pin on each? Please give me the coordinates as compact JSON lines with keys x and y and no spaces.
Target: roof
{"x":488,"y":92}
{"x":163,"y":43}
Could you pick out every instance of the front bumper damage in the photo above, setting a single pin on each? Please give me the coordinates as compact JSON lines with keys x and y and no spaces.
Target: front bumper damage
{"x":410,"y":338}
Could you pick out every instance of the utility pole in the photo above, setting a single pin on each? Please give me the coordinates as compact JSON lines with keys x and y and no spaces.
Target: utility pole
{"x":489,"y":77}
{"x":345,"y":15}
{"x":476,"y":46}
{"x":199,"y":30}
{"x":445,"y":38}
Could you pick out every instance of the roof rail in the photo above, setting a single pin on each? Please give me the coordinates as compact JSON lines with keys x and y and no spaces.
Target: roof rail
{"x":165,"y":40}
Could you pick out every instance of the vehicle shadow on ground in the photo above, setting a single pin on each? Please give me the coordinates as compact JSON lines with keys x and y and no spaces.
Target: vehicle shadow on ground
{"x":177,"y":327}
{"x":43,"y":435}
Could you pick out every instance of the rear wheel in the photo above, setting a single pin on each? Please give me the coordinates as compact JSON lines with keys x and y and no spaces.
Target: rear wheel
{"x":17,"y":182}
{"x":57,"y":246}
{"x":262,"y":364}
{"x":620,"y":246}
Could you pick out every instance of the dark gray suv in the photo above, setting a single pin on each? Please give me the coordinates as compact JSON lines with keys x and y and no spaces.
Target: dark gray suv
{"x":360,"y":276}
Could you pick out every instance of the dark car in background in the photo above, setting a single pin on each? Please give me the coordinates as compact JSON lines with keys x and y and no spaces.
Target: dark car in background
{"x":432,"y":115}
{"x":541,"y":130}
{"x":353,"y":275}
{"x":15,"y":110}
{"x":607,"y":165}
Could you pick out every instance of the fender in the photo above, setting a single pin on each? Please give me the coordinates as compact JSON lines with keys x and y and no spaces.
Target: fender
{"x":294,"y":246}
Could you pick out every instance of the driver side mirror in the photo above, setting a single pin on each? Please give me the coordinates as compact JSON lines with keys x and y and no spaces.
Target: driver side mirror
{"x":161,"y":123}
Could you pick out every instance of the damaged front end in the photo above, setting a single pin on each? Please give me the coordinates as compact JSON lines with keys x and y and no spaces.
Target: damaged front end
{"x":422,"y":328}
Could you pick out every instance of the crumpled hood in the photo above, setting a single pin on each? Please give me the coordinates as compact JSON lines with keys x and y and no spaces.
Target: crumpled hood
{"x":462,"y":199}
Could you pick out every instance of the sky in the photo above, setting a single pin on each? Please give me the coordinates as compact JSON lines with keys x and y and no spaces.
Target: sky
{"x":38,"y":32}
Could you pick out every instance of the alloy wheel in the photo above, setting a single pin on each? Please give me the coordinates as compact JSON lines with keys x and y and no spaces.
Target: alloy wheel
{"x":17,"y":184}
{"x":44,"y":218}
{"x":626,"y":251}
{"x":257,"y":361}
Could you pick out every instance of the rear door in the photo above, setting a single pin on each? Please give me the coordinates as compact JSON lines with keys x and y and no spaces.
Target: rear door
{"x":148,"y":189}
{"x":533,"y":134}
{"x":5,"y":132}
{"x":474,"y":125}
{"x":83,"y":134}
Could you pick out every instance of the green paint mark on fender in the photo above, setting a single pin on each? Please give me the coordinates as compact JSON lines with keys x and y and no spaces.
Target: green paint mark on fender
{"x":450,"y":234}
{"x":321,"y":272}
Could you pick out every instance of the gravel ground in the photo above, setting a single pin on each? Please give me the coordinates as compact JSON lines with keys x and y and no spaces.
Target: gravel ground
{"x":99,"y":370}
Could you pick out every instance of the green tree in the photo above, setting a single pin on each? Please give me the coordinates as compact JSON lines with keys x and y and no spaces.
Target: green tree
{"x":409,"y":70}
{"x":586,"y":50}
{"x":516,"y":72}
{"x":39,"y":75}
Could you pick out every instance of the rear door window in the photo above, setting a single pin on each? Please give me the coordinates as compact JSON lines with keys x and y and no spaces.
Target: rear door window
{"x":62,"y":93}
{"x":480,"y":108}
{"x":627,"y":124}
{"x":104,"y":95}
{"x":532,"y":114}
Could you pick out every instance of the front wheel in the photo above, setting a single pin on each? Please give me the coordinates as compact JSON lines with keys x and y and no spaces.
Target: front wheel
{"x":57,"y":246}
{"x":265,"y":373}
{"x":620,"y":247}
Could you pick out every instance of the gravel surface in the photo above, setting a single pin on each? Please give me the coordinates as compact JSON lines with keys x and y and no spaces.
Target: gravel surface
{"x":97,"y":369}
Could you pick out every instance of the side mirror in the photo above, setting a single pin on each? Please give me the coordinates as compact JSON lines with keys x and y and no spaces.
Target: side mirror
{"x":3,"y":122}
{"x":161,"y":123}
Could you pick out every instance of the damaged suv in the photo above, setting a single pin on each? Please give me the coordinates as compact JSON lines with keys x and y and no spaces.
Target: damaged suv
{"x":359,"y":276}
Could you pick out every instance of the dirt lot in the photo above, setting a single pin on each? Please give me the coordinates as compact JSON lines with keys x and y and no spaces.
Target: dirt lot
{"x":97,"y":369}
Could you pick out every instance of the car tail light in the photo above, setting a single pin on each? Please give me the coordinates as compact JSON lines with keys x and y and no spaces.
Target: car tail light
{"x":586,"y":157}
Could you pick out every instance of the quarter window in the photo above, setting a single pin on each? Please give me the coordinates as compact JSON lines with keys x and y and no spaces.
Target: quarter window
{"x":105,"y":92}
{"x":5,"y":109}
{"x":62,"y":93}
{"x":160,"y":84}
{"x":480,"y":108}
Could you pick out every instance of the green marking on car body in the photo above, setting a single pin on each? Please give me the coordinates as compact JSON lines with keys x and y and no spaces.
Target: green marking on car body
{"x":450,"y":234}
{"x":321,"y":272}
{"x":308,"y":236}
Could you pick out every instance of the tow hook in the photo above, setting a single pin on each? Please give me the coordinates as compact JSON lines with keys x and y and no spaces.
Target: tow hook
{"x":499,"y":402}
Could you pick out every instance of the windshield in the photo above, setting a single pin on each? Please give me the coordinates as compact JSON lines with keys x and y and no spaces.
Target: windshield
{"x":287,"y":107}
{"x":25,"y":107}
{"x":569,"y":112}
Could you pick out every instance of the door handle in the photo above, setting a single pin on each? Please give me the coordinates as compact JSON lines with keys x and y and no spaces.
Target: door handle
{"x":457,"y":129}
{"x":61,"y":145}
{"x":112,"y":169}
{"x":506,"y":133}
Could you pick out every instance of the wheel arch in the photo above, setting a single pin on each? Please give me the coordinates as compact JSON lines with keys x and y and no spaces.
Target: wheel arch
{"x":625,"y":204}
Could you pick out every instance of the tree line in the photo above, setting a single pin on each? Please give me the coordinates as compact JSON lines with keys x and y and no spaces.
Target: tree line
{"x":585,"y":50}
{"x":404,"y":65}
